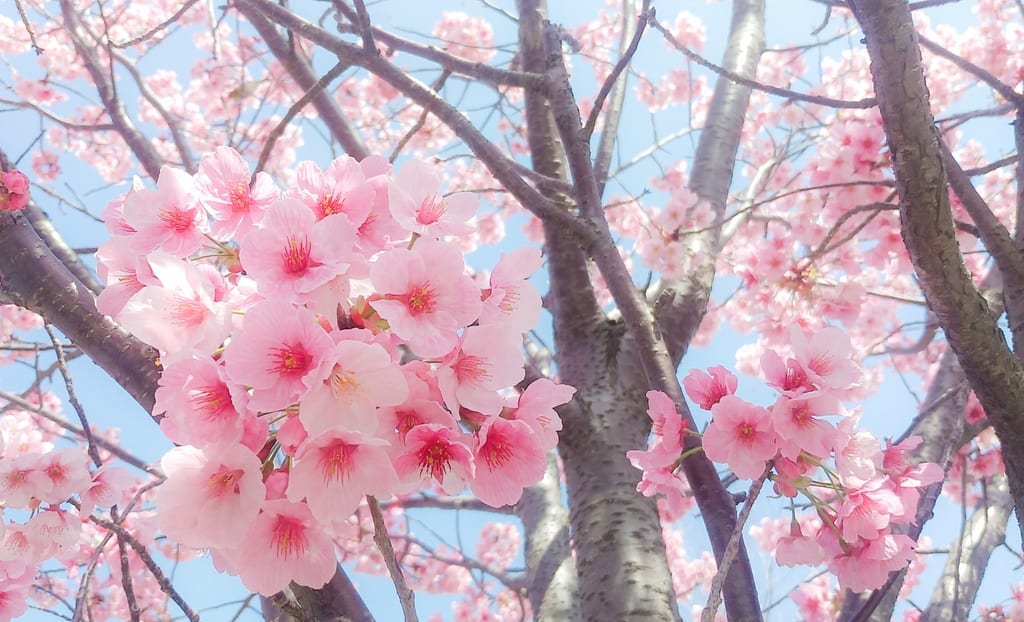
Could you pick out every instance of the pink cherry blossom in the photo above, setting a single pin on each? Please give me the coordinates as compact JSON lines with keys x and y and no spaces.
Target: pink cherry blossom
{"x":536,"y":406}
{"x":68,"y":472}
{"x":201,"y":407}
{"x":226,"y":192}
{"x":293,"y":253}
{"x":867,"y":510}
{"x":335,"y":470}
{"x":110,"y":485}
{"x":435,"y":453}
{"x":508,"y":458}
{"x":362,"y":378}
{"x":740,"y":435}
{"x":125,"y":273}
{"x":341,"y":189}
{"x":512,"y":301}
{"x":426,"y":295}
{"x":14,"y":597}
{"x":210,"y":497}
{"x":13,"y":191}
{"x":283,"y":544}
{"x":54,"y":531}
{"x":473,"y":373}
{"x":826,"y":357}
{"x":170,"y":217}
{"x":22,"y":479}
{"x":180,"y":314}
{"x":419,"y":207}
{"x":798,"y":428}
{"x":868,"y":564}
{"x":281,"y":352}
{"x":786,"y":376}
{"x":797,"y":549}
{"x":707,"y":389}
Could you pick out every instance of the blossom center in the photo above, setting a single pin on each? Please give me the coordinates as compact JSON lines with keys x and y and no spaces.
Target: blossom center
{"x":177,"y":219}
{"x":288,"y":537}
{"x":290,"y":360}
{"x":241,"y":200}
{"x":296,"y":257}
{"x":329,"y":205}
{"x":225,"y":482}
{"x":336,"y":461}
{"x":434,"y":458}
{"x":431,"y":210}
{"x":421,"y":299}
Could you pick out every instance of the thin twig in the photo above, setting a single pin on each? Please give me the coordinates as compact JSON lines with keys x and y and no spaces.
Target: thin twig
{"x":152,"y":31}
{"x":28,"y":28}
{"x":715,"y":596}
{"x":295,"y":109}
{"x":62,"y":365}
{"x":620,"y":66}
{"x":147,"y":559}
{"x":383,"y":540}
{"x":867,"y":102}
{"x":126,"y":572}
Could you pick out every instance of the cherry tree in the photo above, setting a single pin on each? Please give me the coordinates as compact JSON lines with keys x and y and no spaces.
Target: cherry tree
{"x":294,"y":277}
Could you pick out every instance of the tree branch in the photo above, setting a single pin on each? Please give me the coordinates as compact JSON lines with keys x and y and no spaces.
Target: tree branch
{"x":928,"y":230}
{"x":302,"y":72}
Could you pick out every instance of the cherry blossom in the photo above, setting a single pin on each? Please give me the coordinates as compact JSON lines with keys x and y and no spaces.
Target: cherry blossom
{"x":210,"y":496}
{"x":740,"y":434}
{"x":13,"y":191}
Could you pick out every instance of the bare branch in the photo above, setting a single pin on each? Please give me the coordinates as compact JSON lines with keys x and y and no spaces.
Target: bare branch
{"x":820,"y":100}
{"x":1004,"y":90}
{"x":383,"y":540}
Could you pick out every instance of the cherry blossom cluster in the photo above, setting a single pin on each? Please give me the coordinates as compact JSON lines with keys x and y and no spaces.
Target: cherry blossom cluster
{"x":37,"y":481}
{"x":862,"y":494}
{"x":13,"y":191}
{"x":321,"y":343}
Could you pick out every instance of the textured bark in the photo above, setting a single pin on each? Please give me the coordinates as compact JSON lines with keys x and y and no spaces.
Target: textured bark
{"x":969,"y":556}
{"x":551,"y":582}
{"x":33,"y":277}
{"x":927,"y":227}
{"x":337,"y":601}
{"x":620,"y":554}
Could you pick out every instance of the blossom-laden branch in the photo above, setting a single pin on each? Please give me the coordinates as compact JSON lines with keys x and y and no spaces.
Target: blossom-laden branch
{"x":928,"y":232}
{"x":148,"y":158}
{"x":743,"y":80}
{"x":301,"y":72}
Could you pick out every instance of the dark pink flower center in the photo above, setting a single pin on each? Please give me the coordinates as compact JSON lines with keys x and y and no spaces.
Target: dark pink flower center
{"x":431,"y":210}
{"x":296,"y":257}
{"x":434,"y":458}
{"x":177,"y":219}
{"x":290,"y":360}
{"x":241,"y":200}
{"x":336,"y":461}
{"x":288,"y":537}
{"x":329,"y":205}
